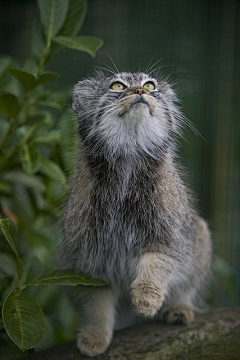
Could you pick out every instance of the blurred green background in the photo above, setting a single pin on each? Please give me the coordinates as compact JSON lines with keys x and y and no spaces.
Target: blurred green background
{"x":198,"y":45}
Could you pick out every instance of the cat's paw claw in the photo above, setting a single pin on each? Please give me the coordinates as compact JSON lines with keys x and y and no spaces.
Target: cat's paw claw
{"x":146,"y":298}
{"x":92,"y":343}
{"x":181,"y":314}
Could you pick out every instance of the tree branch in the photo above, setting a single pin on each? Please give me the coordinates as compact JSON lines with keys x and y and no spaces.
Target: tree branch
{"x":214,"y":335}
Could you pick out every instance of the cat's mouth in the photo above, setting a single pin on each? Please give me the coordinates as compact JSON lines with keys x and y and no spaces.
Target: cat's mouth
{"x":131,"y":101}
{"x":141,"y":100}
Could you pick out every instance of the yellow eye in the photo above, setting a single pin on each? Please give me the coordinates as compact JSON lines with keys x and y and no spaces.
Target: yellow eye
{"x":149,"y":86}
{"x":118,"y":86}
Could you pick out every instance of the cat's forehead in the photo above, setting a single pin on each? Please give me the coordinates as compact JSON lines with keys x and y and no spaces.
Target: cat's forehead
{"x":132,"y":78}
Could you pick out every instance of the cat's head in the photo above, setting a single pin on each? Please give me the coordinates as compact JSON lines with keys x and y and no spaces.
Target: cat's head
{"x":127,"y":114}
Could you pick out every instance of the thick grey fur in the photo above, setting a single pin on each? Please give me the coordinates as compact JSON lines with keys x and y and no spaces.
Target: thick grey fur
{"x":130,"y":218}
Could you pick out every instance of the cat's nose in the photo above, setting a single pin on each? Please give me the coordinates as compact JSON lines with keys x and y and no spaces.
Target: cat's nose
{"x":140,"y":91}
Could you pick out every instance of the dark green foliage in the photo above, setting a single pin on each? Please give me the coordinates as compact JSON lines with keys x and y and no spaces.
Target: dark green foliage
{"x":37,"y":148}
{"x":22,"y":315}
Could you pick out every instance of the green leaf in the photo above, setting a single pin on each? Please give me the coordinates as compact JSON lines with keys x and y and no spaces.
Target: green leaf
{"x":56,"y":100}
{"x":50,"y":338}
{"x":10,"y":232}
{"x":23,"y":320}
{"x":4,"y":286}
{"x":89,"y":44}
{"x":42,"y":118}
{"x":4,"y":131}
{"x":18,"y":138}
{"x":9,"y":104}
{"x":69,"y":323}
{"x":76,"y":14}
{"x":27,"y":79}
{"x":8,"y":264}
{"x":17,"y":177}
{"x":226,"y":275}
{"x":5,"y":188}
{"x":25,"y":133}
{"x":52,"y":170}
{"x":53,"y":14}
{"x":68,"y":278}
{"x":52,"y":136}
{"x":30,"y":159}
{"x":8,"y":84}
{"x":46,"y":77}
{"x":5,"y":63}
{"x":25,"y":208}
{"x":32,"y":269}
{"x":37,"y":42}
{"x":51,"y":104}
{"x":69,"y":141}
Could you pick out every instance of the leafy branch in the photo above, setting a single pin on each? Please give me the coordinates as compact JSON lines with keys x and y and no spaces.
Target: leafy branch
{"x":33,"y":163}
{"x":22,"y":315}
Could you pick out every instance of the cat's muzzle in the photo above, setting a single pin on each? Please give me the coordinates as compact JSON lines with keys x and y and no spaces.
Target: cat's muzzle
{"x":133,"y":100}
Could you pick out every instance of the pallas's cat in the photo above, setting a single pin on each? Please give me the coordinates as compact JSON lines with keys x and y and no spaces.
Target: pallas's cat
{"x":130,"y":217}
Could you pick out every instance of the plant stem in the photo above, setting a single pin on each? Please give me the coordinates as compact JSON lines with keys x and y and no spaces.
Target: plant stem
{"x":11,"y":119}
{"x":48,"y":46}
{"x":44,"y":57}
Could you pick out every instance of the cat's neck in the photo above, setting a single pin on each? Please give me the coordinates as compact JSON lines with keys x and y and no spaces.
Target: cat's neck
{"x":124,"y":170}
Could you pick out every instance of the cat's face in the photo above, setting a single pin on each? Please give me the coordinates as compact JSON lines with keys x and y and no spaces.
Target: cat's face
{"x":126,"y":114}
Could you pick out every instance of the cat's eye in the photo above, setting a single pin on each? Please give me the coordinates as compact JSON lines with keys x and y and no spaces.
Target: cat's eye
{"x":118,"y":86}
{"x":149,"y":86}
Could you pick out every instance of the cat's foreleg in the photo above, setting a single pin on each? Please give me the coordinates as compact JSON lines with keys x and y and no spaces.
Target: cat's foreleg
{"x":154,"y":271}
{"x":98,"y":312}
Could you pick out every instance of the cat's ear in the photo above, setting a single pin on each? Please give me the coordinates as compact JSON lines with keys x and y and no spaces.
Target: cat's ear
{"x":83,"y":94}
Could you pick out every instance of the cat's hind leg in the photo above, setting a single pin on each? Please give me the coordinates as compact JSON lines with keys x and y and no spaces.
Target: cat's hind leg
{"x":179,"y":308}
{"x":187,"y":296}
{"x":180,"y":314}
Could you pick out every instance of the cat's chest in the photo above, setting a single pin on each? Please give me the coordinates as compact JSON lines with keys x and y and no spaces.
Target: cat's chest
{"x":124,"y":211}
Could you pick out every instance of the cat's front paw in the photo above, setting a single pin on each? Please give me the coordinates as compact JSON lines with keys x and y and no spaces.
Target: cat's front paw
{"x":146,"y":298}
{"x":180,"y":314}
{"x":92,"y":341}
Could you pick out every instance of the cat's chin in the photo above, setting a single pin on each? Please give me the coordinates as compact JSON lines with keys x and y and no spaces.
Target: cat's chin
{"x":140,"y":104}
{"x":138,"y":111}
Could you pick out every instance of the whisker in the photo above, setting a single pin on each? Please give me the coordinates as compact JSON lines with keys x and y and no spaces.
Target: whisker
{"x":152,"y":66}
{"x":107,"y":68}
{"x":115,"y":66}
{"x":146,"y":70}
{"x":99,"y":73}
{"x":106,"y":108}
{"x":156,"y":70}
{"x":192,"y":126}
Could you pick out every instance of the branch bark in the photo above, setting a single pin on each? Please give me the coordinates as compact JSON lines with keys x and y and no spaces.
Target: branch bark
{"x":214,"y":335}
